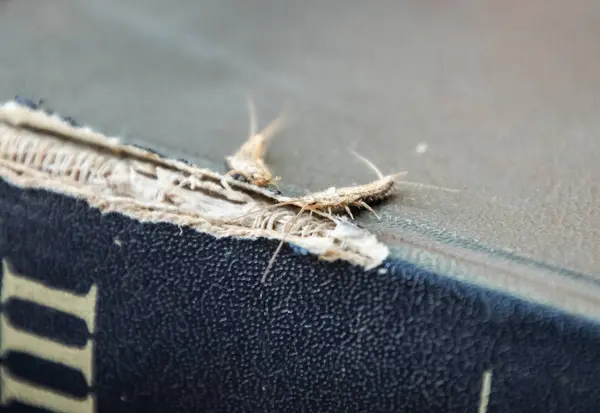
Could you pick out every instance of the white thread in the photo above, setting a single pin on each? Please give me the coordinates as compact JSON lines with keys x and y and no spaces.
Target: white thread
{"x":124,"y":176}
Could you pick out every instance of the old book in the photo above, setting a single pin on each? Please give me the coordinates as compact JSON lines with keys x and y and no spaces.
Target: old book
{"x":126,"y":287}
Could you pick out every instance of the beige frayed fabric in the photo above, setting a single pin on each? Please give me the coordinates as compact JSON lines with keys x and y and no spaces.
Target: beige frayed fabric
{"x":40,"y":150}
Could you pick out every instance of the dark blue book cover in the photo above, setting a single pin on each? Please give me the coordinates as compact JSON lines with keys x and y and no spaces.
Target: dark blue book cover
{"x":125,"y":288}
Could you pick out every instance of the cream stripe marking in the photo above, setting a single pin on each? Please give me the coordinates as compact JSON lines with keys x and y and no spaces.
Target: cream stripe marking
{"x":14,"y":389}
{"x":82,"y":306}
{"x":486,"y":387}
{"x":78,"y":358}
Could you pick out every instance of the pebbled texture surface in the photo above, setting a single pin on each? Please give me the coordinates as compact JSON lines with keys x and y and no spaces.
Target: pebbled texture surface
{"x":184,"y":325}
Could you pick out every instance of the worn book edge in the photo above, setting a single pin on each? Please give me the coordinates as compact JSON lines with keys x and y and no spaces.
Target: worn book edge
{"x":43,"y":150}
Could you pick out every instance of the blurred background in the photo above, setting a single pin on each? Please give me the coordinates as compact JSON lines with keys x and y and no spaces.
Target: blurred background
{"x":498,"y":98}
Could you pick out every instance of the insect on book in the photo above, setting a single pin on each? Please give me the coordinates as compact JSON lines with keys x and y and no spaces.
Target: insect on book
{"x":134,"y":282}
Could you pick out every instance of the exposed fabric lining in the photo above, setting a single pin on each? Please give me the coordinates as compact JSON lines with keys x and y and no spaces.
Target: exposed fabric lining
{"x":41,"y":150}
